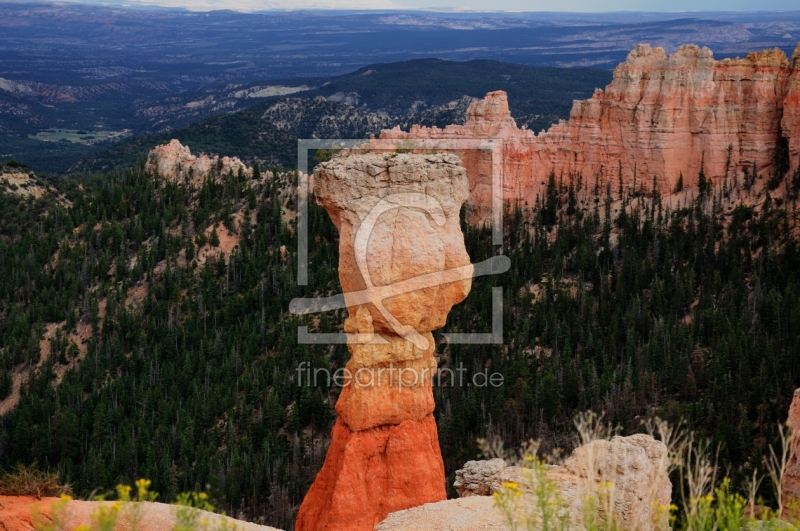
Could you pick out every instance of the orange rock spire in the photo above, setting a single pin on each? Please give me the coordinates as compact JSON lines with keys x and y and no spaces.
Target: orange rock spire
{"x":398,"y":219}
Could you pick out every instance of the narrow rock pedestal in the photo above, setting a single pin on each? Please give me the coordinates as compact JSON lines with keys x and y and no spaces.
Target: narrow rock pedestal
{"x":398,"y":222}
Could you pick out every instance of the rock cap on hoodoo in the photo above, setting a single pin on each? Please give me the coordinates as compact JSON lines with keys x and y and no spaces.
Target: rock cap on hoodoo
{"x":351,"y":186}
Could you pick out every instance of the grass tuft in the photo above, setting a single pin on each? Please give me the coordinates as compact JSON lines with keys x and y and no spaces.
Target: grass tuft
{"x":30,"y":481}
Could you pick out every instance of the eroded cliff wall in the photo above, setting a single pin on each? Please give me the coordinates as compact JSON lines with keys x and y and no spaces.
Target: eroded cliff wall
{"x":661,"y":117}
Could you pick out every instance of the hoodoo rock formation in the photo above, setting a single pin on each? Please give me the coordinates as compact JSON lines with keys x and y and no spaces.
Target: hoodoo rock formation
{"x":661,"y":117}
{"x":398,"y":222}
{"x":174,"y":160}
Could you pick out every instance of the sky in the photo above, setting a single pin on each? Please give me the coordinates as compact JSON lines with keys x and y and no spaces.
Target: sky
{"x":476,"y":5}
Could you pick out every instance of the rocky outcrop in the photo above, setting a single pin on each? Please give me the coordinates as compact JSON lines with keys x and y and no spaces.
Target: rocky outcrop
{"x":400,"y":238}
{"x":24,"y":183}
{"x":175,"y":161}
{"x":790,"y":122}
{"x":791,"y":481}
{"x":661,"y":117}
{"x":635,"y":466}
{"x":479,"y":478}
{"x":17,"y":514}
{"x":476,"y":513}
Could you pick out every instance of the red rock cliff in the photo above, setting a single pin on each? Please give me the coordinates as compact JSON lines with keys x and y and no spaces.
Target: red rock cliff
{"x":660,"y":116}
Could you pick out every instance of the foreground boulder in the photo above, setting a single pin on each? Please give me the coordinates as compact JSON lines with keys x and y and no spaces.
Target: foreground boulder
{"x":398,"y":220}
{"x":16,"y":514}
{"x":480,"y":478}
{"x":476,"y":513}
{"x":637,"y":468}
{"x":635,"y":465}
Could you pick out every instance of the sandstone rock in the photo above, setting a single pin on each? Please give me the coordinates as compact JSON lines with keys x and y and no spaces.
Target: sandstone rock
{"x":479,"y":478}
{"x":404,"y":242}
{"x":476,"y":513}
{"x":660,"y":116}
{"x":790,"y":122}
{"x":25,"y":184}
{"x":398,"y":221}
{"x":387,"y":392}
{"x":636,"y":466}
{"x":16,"y":514}
{"x":791,"y":481}
{"x":175,"y":161}
{"x":371,"y":473}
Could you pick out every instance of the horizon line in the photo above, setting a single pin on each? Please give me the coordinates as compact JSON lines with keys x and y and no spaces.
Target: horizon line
{"x":155,"y":4}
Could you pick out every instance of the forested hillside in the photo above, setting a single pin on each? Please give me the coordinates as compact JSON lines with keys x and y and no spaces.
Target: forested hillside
{"x":152,"y":319}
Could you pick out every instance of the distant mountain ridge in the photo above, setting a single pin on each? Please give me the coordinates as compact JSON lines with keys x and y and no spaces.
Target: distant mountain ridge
{"x":541,"y":94}
{"x":430,"y":92}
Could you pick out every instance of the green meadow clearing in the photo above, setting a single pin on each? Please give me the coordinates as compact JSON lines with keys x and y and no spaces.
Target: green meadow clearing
{"x":80,"y":136}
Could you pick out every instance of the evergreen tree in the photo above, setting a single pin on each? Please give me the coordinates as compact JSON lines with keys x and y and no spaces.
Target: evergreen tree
{"x":214,"y":237}
{"x":572,"y":201}
{"x":550,"y":209}
{"x":6,"y":382}
{"x":703,"y":184}
{"x":728,"y":156}
{"x":780,"y":164}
